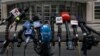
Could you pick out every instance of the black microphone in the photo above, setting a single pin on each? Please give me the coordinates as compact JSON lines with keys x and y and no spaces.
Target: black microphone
{"x":35,"y":18}
{"x":74,"y":21}
{"x":23,"y":13}
{"x":74,"y":25}
{"x":90,"y":29}
{"x":80,"y":20}
{"x":9,"y":18}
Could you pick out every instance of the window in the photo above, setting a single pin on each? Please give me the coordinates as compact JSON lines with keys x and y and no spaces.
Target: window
{"x":97,"y":10}
{"x":54,"y":9}
{"x":0,"y":9}
{"x":0,"y":14}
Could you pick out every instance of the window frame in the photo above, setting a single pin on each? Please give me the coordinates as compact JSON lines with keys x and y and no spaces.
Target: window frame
{"x":94,"y":16}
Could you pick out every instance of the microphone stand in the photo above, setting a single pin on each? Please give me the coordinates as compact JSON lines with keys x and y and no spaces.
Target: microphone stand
{"x":52,"y":28}
{"x":88,"y":40}
{"x":69,"y":42}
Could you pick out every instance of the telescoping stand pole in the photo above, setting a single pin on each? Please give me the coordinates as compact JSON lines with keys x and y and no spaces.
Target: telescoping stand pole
{"x":9,"y":21}
{"x":69,"y":39}
{"x":52,"y":21}
{"x":85,"y":36}
{"x":69,"y":42}
{"x":59,"y":22}
{"x":89,"y":40}
{"x":74,"y":25}
{"x":7,"y":41}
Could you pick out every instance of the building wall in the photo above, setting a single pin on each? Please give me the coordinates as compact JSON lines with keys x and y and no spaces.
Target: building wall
{"x":89,"y":10}
{"x":43,"y":0}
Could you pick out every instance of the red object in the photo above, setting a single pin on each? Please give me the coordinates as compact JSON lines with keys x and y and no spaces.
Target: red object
{"x":65,"y":16}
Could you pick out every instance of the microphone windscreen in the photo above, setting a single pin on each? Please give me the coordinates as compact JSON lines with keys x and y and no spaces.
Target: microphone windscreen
{"x":35,"y":18}
{"x":26,"y":9}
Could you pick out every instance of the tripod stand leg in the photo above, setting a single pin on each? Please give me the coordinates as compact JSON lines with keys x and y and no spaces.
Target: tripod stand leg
{"x":25,"y":49}
{"x":12,"y":47}
{"x":78,"y":47}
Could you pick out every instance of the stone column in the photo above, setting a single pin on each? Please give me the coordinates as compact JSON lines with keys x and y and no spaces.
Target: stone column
{"x":3,"y":11}
{"x":90,"y":12}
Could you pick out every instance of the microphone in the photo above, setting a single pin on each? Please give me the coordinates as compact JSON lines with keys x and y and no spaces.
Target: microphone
{"x":23,"y":12}
{"x":66,"y":19}
{"x":65,"y":16}
{"x":35,"y":18}
{"x":9,"y":18}
{"x":74,"y":25}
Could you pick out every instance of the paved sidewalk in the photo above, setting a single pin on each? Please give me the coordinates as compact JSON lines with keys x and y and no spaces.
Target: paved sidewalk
{"x":94,"y":26}
{"x":95,"y":51}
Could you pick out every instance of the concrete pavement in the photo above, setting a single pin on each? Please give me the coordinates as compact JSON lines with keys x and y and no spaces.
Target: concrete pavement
{"x":94,"y":26}
{"x":64,"y":52}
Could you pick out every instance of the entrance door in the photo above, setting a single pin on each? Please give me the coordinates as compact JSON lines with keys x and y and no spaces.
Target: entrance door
{"x":43,"y":11}
{"x":46,"y":12}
